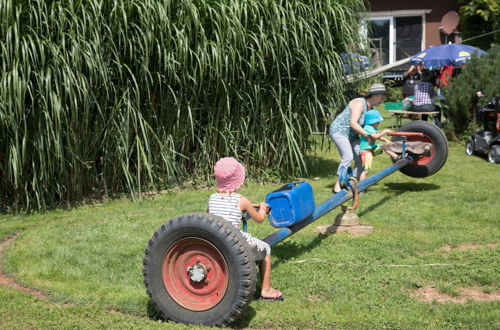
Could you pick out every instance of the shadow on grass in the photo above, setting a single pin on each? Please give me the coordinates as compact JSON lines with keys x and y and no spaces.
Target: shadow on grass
{"x":398,"y":189}
{"x":402,"y":186}
{"x":321,"y":167}
{"x":243,"y":321}
{"x":240,"y":323}
{"x":153,"y":312}
{"x":374,"y":206}
{"x":291,"y":249}
{"x":410,"y":186}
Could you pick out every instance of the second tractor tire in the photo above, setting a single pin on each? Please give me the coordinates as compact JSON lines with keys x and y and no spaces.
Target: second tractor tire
{"x":427,"y":165}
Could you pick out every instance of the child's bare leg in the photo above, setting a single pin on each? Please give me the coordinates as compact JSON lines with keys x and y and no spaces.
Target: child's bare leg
{"x":388,"y":151}
{"x":265,"y":273}
{"x":365,"y":159}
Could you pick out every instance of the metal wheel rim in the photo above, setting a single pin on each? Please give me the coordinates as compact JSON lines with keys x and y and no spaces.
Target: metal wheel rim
{"x":491,"y":159}
{"x":468,"y":148}
{"x":195,"y":296}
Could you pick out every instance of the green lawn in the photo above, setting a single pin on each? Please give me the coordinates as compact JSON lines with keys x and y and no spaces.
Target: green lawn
{"x":88,"y":260}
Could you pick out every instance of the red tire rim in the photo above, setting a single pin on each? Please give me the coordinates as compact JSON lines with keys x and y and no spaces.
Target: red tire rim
{"x":188,"y":293}
{"x":424,"y":160}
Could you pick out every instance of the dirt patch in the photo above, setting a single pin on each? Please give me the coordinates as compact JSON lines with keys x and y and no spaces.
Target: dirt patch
{"x":9,"y":281}
{"x":469,"y":246}
{"x":429,"y":294}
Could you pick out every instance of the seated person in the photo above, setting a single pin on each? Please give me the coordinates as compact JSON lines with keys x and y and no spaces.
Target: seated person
{"x":422,"y":102}
{"x":228,"y":204}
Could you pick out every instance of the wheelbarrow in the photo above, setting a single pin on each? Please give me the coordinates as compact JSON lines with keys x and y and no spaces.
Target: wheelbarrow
{"x":198,"y":268}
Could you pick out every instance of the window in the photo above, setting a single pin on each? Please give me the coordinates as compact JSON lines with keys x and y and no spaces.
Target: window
{"x":395,"y":35}
{"x":380,"y":38}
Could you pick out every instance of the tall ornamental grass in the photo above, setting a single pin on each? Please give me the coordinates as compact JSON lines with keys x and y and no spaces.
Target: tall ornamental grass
{"x":121,"y":95}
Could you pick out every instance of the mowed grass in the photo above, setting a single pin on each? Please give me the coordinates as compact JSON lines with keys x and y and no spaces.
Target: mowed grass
{"x":88,"y":260}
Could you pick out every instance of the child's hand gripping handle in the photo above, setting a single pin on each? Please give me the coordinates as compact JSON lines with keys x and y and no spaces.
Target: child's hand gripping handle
{"x":246,"y":216}
{"x":262,"y":205}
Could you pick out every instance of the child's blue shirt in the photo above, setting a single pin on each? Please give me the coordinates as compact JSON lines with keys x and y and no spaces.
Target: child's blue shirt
{"x":363,"y":142}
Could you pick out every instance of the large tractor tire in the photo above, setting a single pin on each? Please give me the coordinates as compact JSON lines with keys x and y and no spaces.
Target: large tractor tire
{"x":198,"y":269}
{"x":425,"y":166}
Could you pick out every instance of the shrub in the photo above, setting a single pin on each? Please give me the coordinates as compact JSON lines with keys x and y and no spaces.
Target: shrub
{"x":395,"y":93}
{"x":479,"y":74}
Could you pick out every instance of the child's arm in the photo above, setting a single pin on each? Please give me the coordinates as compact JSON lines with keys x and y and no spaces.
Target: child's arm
{"x":385,"y":140}
{"x":257,"y":215}
{"x":378,"y":135}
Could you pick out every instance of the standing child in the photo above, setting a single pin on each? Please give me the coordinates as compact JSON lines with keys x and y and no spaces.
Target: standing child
{"x":369,"y":150}
{"x":226,"y":203}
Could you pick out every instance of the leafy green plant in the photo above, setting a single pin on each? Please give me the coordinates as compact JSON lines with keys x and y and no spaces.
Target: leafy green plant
{"x":479,"y":74}
{"x":471,"y":129}
{"x":112,"y":96}
{"x":478,"y":18}
{"x":395,"y":93}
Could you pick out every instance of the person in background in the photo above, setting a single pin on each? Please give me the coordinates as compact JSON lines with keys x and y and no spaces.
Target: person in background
{"x":347,"y":127}
{"x":411,"y":78}
{"x":445,"y":75}
{"x":422,"y":101}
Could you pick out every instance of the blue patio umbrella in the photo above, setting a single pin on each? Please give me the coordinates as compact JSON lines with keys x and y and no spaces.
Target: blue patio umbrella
{"x":449,"y":54}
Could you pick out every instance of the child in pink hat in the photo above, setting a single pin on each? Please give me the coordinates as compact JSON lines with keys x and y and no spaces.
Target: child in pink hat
{"x":226,"y":203}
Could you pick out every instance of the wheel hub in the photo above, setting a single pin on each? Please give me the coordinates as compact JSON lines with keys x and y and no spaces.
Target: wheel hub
{"x":198,"y":272}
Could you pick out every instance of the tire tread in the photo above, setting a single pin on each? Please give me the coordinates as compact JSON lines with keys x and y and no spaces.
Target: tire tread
{"x":440,"y":143}
{"x":238,"y":249}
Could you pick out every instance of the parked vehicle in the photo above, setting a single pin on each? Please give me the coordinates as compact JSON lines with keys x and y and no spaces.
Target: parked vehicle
{"x":487,"y":140}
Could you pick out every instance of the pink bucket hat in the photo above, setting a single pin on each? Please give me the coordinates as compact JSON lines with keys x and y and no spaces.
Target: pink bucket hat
{"x":229,"y":174}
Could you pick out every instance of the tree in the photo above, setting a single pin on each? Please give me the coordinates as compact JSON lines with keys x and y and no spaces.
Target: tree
{"x":479,"y":74}
{"x":479,"y":17}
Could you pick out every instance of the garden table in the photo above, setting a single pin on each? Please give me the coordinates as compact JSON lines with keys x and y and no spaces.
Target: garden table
{"x":399,"y":114}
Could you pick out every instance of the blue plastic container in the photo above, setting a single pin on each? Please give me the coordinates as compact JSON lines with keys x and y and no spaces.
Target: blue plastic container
{"x":291,"y":204}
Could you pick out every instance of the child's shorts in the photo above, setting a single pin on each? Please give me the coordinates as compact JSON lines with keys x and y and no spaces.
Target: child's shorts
{"x":367,"y":156}
{"x":261,"y":245}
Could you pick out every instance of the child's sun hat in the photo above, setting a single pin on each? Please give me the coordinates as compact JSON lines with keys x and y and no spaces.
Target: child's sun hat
{"x":373,"y":117}
{"x":229,"y":174}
